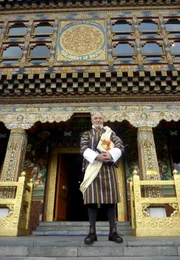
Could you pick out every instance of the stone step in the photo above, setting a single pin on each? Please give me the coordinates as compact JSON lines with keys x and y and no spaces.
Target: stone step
{"x":74,"y":233}
{"x":77,"y":228}
{"x":85,"y":228}
{"x":81,"y":223}
{"x":71,"y":248}
{"x":93,"y":258}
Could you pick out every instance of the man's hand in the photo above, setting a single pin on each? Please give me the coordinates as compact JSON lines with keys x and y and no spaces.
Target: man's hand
{"x":104,"y":157}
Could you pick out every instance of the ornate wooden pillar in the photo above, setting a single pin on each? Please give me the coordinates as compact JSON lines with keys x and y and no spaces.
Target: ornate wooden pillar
{"x":15,"y":155}
{"x":148,"y":162}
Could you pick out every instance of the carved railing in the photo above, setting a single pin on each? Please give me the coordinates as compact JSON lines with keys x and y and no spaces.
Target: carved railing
{"x":143,"y":224}
{"x":16,"y":222}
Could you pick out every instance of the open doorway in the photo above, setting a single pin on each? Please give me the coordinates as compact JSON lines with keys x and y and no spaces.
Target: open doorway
{"x":69,"y":199}
{"x":76,"y":211}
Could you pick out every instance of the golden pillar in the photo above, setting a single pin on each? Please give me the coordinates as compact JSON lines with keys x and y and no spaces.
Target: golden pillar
{"x":122,"y":205}
{"x":15,"y":155}
{"x":148,"y":162}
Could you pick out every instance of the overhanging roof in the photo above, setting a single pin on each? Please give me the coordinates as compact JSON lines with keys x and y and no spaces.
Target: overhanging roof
{"x":83,"y":3}
{"x":159,"y":85}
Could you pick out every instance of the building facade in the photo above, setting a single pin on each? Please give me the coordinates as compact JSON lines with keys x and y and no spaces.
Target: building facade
{"x":62,"y":60}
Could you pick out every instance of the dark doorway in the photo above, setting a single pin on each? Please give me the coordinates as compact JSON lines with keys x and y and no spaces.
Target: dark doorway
{"x":62,"y":188}
{"x":76,"y":211}
{"x":176,"y":158}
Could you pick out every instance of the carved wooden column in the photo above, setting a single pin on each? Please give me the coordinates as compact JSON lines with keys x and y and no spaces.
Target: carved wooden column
{"x":148,"y":162}
{"x":15,"y":155}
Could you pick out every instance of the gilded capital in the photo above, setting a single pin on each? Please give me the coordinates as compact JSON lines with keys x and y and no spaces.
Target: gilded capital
{"x":15,"y":155}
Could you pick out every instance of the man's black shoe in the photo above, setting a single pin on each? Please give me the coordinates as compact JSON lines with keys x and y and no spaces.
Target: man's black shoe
{"x":91,"y":237}
{"x":113,"y":235}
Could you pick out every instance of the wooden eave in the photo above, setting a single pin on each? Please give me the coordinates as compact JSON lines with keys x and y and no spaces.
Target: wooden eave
{"x":46,"y":4}
{"x":78,"y":87}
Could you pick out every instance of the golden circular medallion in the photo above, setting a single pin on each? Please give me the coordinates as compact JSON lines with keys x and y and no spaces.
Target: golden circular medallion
{"x":82,"y":39}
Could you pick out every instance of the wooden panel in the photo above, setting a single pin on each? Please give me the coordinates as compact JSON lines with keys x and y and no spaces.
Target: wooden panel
{"x":62,"y":188}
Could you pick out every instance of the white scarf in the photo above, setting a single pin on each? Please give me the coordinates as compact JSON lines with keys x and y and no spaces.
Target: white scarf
{"x":93,"y":169}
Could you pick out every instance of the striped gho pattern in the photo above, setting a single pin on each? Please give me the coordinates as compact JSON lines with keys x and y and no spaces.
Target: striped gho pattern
{"x":104,"y":189}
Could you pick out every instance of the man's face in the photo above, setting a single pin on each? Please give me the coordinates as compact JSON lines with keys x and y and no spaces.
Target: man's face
{"x":97,"y":120}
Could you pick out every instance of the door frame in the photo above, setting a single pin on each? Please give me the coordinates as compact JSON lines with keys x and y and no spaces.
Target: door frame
{"x":49,"y":207}
{"x":61,"y":188}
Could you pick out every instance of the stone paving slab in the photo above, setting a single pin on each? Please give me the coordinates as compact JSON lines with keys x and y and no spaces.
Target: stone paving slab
{"x":13,"y":251}
{"x":55,"y":248}
{"x":75,"y":233}
{"x":100,"y":251}
{"x":79,"y":241}
{"x":128,"y":239}
{"x":52,"y":251}
{"x":92,"y":258}
{"x":81,"y":223}
{"x":78,"y":228}
{"x":151,"y":251}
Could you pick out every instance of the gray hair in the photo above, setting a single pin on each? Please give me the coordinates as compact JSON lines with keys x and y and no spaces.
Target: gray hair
{"x":95,"y":112}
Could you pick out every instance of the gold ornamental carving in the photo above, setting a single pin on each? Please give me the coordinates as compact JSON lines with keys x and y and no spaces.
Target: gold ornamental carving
{"x":24,"y":117}
{"x":81,"y":41}
{"x":176,"y":209}
{"x":143,"y":224}
{"x":16,"y":222}
{"x":121,"y":206}
{"x":15,"y":155}
{"x":176,"y":178}
{"x":147,"y":154}
{"x":51,"y":187}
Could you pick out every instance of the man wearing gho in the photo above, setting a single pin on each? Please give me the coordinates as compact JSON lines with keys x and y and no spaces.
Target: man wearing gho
{"x":101,"y":149}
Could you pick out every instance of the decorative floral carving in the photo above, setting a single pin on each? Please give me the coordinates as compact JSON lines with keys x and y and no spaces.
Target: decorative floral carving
{"x":14,"y":159}
{"x":148,"y":159}
{"x":139,"y":116}
{"x":143,"y":223}
{"x":144,"y":207}
{"x":176,"y":211}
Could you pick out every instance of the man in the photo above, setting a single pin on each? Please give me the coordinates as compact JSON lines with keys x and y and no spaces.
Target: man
{"x":101,"y":149}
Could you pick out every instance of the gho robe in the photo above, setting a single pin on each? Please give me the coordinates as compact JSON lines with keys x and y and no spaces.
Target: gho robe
{"x":104,"y":189}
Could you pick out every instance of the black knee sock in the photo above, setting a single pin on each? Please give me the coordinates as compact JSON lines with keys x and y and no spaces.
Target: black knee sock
{"x":92,"y":214}
{"x":111,"y":214}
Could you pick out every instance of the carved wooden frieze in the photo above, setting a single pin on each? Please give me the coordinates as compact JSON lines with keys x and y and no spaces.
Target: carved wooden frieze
{"x":25,"y":116}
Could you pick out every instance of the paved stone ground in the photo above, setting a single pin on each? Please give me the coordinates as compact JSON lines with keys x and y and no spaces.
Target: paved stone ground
{"x":128,"y":240}
{"x":92,"y":258}
{"x":73,"y":248}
